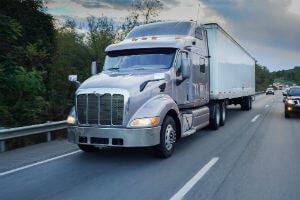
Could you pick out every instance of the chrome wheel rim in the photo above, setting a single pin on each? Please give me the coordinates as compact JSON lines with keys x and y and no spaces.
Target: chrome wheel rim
{"x":224,"y":112}
{"x":170,"y":137}
{"x":218,"y":115}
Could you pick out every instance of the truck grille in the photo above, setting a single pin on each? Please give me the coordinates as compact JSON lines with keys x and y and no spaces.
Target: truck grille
{"x":100,"y":109}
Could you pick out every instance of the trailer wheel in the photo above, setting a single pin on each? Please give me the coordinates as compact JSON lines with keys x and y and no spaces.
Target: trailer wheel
{"x":214,"y":121}
{"x":87,"y":148}
{"x":167,"y":138}
{"x":223,"y":113}
{"x":246,"y":103}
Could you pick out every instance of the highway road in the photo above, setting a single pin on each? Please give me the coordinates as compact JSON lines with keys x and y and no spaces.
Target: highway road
{"x":256,"y":155}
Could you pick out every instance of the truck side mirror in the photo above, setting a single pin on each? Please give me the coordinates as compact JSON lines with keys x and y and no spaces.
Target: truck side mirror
{"x":73,"y":79}
{"x":185,"y":68}
{"x":94,"y":68}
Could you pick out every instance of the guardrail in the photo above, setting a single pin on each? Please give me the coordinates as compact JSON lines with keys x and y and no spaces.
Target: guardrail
{"x":12,"y":133}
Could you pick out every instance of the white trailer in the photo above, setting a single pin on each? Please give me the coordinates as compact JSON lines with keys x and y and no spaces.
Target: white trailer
{"x":232,"y":68}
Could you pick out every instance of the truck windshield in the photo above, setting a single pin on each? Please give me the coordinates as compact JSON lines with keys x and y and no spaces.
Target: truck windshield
{"x":294,"y":92}
{"x":139,"y":59}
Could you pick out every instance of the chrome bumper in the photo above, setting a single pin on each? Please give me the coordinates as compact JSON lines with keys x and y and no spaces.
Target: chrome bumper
{"x":120,"y":137}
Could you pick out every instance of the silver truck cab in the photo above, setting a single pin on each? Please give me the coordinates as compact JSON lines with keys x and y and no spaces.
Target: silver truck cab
{"x":152,"y":91}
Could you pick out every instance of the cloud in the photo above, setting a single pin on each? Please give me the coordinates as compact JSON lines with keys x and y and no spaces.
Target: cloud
{"x":270,"y":23}
{"x":115,"y":4}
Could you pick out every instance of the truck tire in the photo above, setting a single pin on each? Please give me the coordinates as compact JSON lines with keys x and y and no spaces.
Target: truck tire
{"x":223,"y":113}
{"x":246,"y":103}
{"x":214,"y":121}
{"x":167,"y":138}
{"x":87,"y":148}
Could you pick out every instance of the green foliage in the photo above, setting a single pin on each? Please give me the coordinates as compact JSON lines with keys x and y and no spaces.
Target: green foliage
{"x":101,"y":34}
{"x":20,"y":94}
{"x":72,"y":56}
{"x":25,"y":48}
{"x":263,"y":78}
{"x":37,"y":25}
{"x":288,"y":76}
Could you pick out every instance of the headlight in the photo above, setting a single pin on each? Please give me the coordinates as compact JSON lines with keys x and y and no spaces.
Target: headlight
{"x":71,"y":120}
{"x":71,"y":117}
{"x":144,"y":122}
{"x":290,"y":101}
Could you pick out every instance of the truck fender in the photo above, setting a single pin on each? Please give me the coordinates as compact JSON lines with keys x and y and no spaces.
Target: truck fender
{"x":157,"y":106}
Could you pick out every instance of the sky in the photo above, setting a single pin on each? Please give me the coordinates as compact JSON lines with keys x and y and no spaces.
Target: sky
{"x":268,"y":29}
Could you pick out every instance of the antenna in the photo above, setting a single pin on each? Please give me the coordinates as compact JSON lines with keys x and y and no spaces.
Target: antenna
{"x":198,"y":13}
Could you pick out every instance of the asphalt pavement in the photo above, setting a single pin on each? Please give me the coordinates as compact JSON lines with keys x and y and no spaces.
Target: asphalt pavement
{"x":256,"y":155}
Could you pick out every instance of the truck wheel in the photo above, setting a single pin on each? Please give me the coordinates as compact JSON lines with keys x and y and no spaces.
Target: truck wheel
{"x":167,"y":138}
{"x":223,"y":112}
{"x":214,"y":121}
{"x":87,"y":148}
{"x":246,"y":103}
{"x":249,"y":103}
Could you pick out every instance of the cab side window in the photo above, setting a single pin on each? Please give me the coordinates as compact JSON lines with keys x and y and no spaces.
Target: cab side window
{"x":181,"y":55}
{"x":178,"y":64}
{"x":198,"y":33}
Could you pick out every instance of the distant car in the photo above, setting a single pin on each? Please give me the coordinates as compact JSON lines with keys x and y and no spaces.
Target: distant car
{"x":270,"y":91}
{"x":292,"y":103}
{"x":284,"y":93}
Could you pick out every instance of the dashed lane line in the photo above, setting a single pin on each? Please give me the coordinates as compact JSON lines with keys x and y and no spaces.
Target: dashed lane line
{"x":189,"y":185}
{"x":38,"y":163}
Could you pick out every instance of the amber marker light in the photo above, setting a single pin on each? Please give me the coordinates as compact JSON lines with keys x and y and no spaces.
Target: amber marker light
{"x":153,"y":38}
{"x":133,"y":39}
{"x":144,"y":38}
{"x":154,"y":121}
{"x":177,"y":37}
{"x":144,"y":122}
{"x":115,"y":42}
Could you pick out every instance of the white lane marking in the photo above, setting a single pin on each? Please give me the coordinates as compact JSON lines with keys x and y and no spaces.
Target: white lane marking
{"x":255,"y":118}
{"x":38,"y":163}
{"x":188,"y":186}
{"x":266,"y":106}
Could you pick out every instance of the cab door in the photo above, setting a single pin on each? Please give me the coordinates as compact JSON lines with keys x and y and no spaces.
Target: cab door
{"x":199,"y":80}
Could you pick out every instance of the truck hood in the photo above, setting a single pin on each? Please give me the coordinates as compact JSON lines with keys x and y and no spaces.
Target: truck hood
{"x":122,"y":80}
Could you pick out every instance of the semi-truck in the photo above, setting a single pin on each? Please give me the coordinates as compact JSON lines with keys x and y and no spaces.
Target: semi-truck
{"x":163,"y":82}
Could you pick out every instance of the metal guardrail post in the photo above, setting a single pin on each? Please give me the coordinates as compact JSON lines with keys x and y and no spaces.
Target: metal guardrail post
{"x":2,"y":146}
{"x":48,"y":136}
